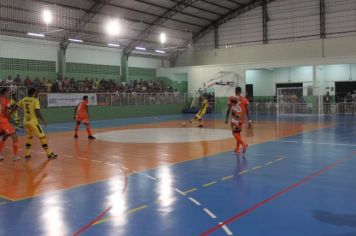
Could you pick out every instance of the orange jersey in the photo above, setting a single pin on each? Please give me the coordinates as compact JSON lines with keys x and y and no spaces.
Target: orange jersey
{"x":4,"y":108}
{"x":82,"y":110}
{"x":238,"y":105}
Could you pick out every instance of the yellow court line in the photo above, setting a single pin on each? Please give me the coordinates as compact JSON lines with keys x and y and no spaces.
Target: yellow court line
{"x":256,"y":167}
{"x":208,"y":184}
{"x":269,"y":163}
{"x":227,"y":177}
{"x":129,"y":212}
{"x":242,"y":172}
{"x":190,"y":190}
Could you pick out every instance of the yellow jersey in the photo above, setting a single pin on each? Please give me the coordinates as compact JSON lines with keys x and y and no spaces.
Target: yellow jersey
{"x":204,"y":106}
{"x":29,"y":105}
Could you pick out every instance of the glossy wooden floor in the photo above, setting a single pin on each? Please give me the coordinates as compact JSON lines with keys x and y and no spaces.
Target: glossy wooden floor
{"x":83,"y":162}
{"x":298,"y":171}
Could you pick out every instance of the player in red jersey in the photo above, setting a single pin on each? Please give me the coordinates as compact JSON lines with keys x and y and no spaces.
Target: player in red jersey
{"x":6,"y":128}
{"x":238,"y":105}
{"x":81,"y":116}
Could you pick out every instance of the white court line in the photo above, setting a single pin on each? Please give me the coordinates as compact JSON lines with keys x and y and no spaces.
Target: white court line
{"x":195,"y":201}
{"x":96,"y":161}
{"x":110,"y":164}
{"x":226,"y":229}
{"x":210,"y":213}
{"x":180,"y":192}
{"x":269,"y":163}
{"x":335,"y":144}
{"x":65,"y":155}
{"x":285,"y":141}
{"x":332,"y":144}
{"x":60,"y":127}
{"x":151,"y":177}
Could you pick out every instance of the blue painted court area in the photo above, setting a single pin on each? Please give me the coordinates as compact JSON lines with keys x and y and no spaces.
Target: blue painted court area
{"x":299,"y":185}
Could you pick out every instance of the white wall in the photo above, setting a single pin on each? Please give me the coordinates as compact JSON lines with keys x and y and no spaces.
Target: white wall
{"x":264,"y":80}
{"x":144,"y":62}
{"x":93,"y":55}
{"x":35,"y":49}
{"x":23,"y":48}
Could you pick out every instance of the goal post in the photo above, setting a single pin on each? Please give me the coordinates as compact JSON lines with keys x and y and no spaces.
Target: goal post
{"x":299,"y":101}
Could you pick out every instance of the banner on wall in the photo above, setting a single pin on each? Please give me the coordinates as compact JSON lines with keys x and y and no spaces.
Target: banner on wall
{"x":69,"y":99}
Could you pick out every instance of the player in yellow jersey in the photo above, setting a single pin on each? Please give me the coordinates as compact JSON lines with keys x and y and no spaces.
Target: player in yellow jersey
{"x":202,"y":111}
{"x":15,"y":114}
{"x":31,"y":115}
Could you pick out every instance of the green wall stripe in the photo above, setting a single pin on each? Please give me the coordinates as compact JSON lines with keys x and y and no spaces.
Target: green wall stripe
{"x":114,"y":112}
{"x":12,"y":64}
{"x":92,"y":68}
{"x":136,"y":71}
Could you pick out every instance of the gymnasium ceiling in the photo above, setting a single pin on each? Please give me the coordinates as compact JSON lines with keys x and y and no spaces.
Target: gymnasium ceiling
{"x":141,"y":21}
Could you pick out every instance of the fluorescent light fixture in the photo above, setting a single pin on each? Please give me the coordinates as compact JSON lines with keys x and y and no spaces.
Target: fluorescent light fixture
{"x":47,"y":16}
{"x":140,"y":48}
{"x":160,"y":51}
{"x":112,"y":27}
{"x":36,"y":35}
{"x":113,"y":45}
{"x":76,"y":40}
{"x":162,"y":38}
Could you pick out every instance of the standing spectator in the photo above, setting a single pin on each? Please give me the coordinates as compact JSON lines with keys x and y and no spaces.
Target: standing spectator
{"x":327,"y":103}
{"x":9,"y":80}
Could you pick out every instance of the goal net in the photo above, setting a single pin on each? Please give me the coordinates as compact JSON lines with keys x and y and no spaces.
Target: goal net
{"x":299,"y":101}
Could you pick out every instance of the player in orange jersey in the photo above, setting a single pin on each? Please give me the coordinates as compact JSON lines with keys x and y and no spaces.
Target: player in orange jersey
{"x":238,"y":105}
{"x":5,"y":127}
{"x":81,"y":116}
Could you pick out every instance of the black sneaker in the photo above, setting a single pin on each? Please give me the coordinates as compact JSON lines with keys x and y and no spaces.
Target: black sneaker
{"x":76,"y":136}
{"x":91,"y":137}
{"x":200,"y":126}
{"x":27,"y":158}
{"x":52,"y":156}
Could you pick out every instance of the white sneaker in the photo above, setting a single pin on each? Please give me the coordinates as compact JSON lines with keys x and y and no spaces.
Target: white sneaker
{"x":16,"y":158}
{"x":1,"y":158}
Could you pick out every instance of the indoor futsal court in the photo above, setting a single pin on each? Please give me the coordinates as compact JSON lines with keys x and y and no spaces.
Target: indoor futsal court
{"x":177,"y":117}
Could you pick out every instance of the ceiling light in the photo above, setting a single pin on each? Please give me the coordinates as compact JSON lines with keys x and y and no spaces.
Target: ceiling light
{"x":160,"y":51}
{"x":47,"y":16}
{"x":76,"y":40}
{"x":162,"y":38}
{"x":112,"y":27}
{"x":36,"y":35}
{"x":140,"y":48}
{"x":113,"y":45}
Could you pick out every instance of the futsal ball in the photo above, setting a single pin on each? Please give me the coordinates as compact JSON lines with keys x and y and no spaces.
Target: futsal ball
{"x":183,"y":124}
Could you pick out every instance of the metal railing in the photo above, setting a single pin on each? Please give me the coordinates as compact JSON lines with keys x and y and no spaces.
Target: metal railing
{"x":263,"y":107}
{"x":346,"y":108}
{"x":302,"y":108}
{"x":129,"y":99}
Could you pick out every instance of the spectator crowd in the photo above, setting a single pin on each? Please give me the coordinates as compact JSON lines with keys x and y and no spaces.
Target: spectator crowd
{"x":87,"y":85}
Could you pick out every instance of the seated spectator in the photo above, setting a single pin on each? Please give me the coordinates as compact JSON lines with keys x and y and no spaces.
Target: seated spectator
{"x":17,"y":80}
